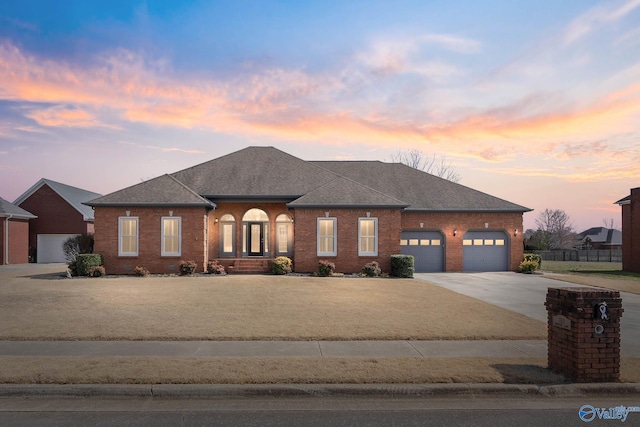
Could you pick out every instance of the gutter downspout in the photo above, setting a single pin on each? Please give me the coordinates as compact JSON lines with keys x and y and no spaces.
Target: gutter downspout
{"x":6,"y":239}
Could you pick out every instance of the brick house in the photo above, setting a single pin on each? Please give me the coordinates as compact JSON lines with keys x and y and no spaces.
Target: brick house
{"x":248,"y":207}
{"x":60,"y":214}
{"x":14,"y":233}
{"x":631,"y":231}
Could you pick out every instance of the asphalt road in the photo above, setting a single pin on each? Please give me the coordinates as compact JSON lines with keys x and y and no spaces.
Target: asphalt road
{"x":308,"y":411}
{"x":526,"y":294}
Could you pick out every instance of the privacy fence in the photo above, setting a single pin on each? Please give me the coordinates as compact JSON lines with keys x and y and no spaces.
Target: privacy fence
{"x":592,"y":255}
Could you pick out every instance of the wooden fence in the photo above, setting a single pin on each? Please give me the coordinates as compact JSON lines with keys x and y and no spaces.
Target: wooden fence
{"x":592,"y":255}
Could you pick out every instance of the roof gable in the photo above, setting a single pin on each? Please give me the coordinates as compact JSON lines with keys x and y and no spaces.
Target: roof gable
{"x":254,"y":171}
{"x":164,"y":190}
{"x":74,"y":196}
{"x":8,"y":209}
{"x":607,"y":236}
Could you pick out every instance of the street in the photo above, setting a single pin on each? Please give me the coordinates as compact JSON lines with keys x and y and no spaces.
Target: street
{"x":308,"y":411}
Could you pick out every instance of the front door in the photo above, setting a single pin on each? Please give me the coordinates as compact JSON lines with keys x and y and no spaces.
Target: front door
{"x":256,"y":239}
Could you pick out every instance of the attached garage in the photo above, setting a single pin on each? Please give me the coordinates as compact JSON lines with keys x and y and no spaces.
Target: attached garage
{"x":427,"y":248}
{"x":485,"y":251}
{"x":50,"y":247}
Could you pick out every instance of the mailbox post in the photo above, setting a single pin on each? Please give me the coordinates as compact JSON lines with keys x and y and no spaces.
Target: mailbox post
{"x":584,"y":333}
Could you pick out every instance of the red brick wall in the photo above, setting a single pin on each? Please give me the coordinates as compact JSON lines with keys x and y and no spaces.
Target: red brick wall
{"x":55,"y":215}
{"x":463,"y":222}
{"x":631,"y":233}
{"x":238,"y":210}
{"x":347,"y":259}
{"x":149,"y":238}
{"x":18,"y":241}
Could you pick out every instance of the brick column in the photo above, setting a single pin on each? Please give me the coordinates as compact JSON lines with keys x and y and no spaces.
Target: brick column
{"x":584,"y":333}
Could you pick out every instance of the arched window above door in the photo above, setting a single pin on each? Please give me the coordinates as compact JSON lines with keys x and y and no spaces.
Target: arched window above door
{"x":255,"y":214}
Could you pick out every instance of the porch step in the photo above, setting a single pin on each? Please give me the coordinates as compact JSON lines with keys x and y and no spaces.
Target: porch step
{"x":250,"y":266}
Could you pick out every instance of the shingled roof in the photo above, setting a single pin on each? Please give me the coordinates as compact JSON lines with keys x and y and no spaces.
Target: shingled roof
{"x":73,"y":195}
{"x":10,"y":210}
{"x":268,"y":173}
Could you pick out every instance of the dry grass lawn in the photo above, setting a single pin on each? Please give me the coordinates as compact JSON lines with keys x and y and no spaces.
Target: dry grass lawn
{"x":249,"y":308}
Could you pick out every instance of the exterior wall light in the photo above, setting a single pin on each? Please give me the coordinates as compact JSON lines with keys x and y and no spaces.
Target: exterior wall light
{"x":515,"y":233}
{"x":455,"y":232}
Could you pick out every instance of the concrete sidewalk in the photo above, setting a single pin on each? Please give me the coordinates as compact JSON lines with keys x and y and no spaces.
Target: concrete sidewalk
{"x":498,"y":348}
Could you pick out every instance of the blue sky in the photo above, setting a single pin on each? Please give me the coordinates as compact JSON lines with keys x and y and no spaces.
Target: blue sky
{"x":536,"y":102}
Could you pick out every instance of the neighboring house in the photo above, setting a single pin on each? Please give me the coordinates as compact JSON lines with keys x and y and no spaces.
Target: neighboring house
{"x":600,"y":238}
{"x":246,"y":208}
{"x":60,"y":215}
{"x":14,"y":233}
{"x":631,"y":231}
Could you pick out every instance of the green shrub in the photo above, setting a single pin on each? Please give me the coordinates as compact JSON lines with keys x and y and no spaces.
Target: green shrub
{"x":85,"y":261}
{"x":402,"y":266}
{"x":527,"y":267}
{"x":140,"y":271}
{"x":187,"y":267}
{"x":214,"y":267}
{"x":72,"y":269}
{"x":97,"y":271}
{"x":75,"y":245}
{"x":371,"y":269}
{"x":326,"y":268}
{"x":534,"y":257}
{"x":282,"y":265}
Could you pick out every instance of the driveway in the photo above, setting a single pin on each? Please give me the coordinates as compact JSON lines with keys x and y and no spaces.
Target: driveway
{"x":526,"y":294}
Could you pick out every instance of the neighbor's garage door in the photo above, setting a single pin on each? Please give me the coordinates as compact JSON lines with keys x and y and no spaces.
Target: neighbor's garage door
{"x":485,"y":251}
{"x":50,"y":247}
{"x":427,"y":248}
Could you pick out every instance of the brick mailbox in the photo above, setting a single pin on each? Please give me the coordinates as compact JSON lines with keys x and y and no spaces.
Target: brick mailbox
{"x":584,"y":333}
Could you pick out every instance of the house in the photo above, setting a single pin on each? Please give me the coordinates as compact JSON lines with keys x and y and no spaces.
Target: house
{"x":60,"y":215}
{"x":600,"y":238}
{"x":631,"y":231}
{"x":14,"y":233}
{"x":248,"y":207}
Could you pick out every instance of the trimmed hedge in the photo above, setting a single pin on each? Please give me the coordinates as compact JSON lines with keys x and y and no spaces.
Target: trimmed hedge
{"x":535,"y":258}
{"x":85,"y":261}
{"x":282,"y":265}
{"x":402,"y":266}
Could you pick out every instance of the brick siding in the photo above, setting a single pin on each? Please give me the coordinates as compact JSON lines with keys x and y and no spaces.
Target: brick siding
{"x":631,"y":233}
{"x":18,"y":241}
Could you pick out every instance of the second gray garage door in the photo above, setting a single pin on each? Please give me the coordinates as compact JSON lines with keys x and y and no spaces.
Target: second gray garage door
{"x":485,"y":251}
{"x":427,"y":248}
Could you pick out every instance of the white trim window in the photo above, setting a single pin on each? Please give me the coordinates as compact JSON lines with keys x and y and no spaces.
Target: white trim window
{"x":171,"y":236}
{"x":327,"y":233}
{"x":128,"y":236}
{"x":367,"y":236}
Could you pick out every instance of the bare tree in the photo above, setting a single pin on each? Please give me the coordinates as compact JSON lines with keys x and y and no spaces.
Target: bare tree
{"x":609,"y":223}
{"x":434,"y":165}
{"x":556,"y":228}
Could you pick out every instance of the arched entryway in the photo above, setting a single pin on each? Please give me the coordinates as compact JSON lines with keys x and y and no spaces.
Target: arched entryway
{"x":255,"y":233}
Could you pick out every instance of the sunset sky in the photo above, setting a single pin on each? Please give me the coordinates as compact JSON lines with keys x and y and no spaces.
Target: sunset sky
{"x":536,"y":102}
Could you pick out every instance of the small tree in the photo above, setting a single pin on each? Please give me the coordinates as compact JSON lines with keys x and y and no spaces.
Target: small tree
{"x":556,"y":228}
{"x":76,"y":245}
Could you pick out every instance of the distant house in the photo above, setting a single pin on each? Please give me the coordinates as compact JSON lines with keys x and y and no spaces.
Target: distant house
{"x":246,"y":208}
{"x":60,"y":214}
{"x":14,"y":233}
{"x":631,"y":231}
{"x":600,"y":238}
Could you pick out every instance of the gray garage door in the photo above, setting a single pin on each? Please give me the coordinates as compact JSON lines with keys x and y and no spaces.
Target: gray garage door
{"x":427,"y":248}
{"x":50,"y":247}
{"x":485,"y":251}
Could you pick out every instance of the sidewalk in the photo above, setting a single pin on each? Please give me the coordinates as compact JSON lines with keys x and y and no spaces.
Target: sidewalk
{"x":501,"y":348}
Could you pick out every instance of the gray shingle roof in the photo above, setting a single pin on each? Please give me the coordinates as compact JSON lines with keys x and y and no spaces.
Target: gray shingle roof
{"x":9,"y":209}
{"x":266,"y":172}
{"x":164,"y":190}
{"x":420,"y":190}
{"x":608,"y":236}
{"x":73,"y":195}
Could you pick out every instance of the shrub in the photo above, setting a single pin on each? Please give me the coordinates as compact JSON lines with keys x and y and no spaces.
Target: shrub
{"x":402,"y":266}
{"x":527,"y":267}
{"x":72,"y":269}
{"x":140,"y":271}
{"x":371,"y":269}
{"x":214,"y":267}
{"x":282,"y":265}
{"x":326,"y":268}
{"x":534,"y":257}
{"x":75,"y":245}
{"x":97,"y":271}
{"x":85,"y":261}
{"x":187,"y":267}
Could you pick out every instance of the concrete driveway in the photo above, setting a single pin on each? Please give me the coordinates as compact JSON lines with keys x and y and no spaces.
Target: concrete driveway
{"x":526,"y":294}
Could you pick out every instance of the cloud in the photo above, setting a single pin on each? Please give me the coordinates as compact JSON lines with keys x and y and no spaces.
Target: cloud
{"x":61,"y":116}
{"x":163,"y":149}
{"x":597,"y":17}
